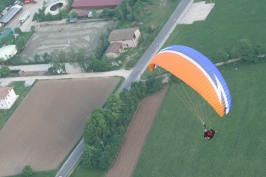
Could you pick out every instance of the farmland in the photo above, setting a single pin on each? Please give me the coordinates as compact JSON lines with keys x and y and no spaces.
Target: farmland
{"x":49,"y":122}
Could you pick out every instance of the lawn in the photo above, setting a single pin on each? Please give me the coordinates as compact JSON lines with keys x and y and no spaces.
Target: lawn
{"x":176,"y":147}
{"x":20,"y":90}
{"x":81,"y":172}
{"x":228,"y":22}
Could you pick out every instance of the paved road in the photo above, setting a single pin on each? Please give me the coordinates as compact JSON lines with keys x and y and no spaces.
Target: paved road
{"x":175,"y":18}
{"x":122,"y":73}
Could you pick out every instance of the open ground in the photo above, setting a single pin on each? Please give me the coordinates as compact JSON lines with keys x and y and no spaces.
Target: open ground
{"x":66,"y":36}
{"x":136,"y":135}
{"x":49,"y":122}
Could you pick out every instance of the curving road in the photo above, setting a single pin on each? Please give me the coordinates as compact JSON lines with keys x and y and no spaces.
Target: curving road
{"x":175,"y":18}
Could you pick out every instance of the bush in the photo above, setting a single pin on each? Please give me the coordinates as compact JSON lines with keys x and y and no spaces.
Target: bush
{"x":27,"y":171}
{"x":5,"y":71}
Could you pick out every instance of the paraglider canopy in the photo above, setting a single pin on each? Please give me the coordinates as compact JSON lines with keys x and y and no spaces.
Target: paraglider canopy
{"x":197,"y":71}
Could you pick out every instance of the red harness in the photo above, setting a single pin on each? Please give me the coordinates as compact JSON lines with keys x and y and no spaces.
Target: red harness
{"x":209,"y":134}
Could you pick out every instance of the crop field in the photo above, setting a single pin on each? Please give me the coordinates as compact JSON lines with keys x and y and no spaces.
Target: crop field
{"x":49,"y":122}
{"x":228,"y":22}
{"x":176,"y":147}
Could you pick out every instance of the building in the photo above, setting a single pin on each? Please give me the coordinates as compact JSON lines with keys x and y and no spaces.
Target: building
{"x":95,"y":4}
{"x":7,"y":97}
{"x":114,"y":50}
{"x":10,"y":14}
{"x":128,"y":37}
{"x":120,"y":39}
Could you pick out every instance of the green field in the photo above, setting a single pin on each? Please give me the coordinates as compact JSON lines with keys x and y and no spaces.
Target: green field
{"x":228,"y":22}
{"x":176,"y":147}
{"x":81,"y":172}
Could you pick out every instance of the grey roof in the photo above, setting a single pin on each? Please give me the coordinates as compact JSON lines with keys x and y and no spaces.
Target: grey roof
{"x":114,"y":47}
{"x":11,"y":13}
{"x":122,"y":34}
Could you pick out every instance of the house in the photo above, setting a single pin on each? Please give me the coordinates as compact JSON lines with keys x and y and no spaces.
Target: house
{"x":120,"y":39}
{"x":95,"y":4}
{"x":128,"y":37}
{"x":114,"y":50}
{"x":7,"y":97}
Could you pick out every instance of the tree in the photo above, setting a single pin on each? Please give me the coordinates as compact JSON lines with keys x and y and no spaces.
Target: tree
{"x":20,"y":43}
{"x":224,"y":55}
{"x":63,"y":13}
{"x":36,"y":57}
{"x":46,"y":57}
{"x":27,"y":171}
{"x":106,"y":12}
{"x":247,"y":50}
{"x":96,"y":129}
{"x":32,"y":28}
{"x":58,"y":60}
{"x":87,"y":157}
{"x":18,"y":30}
{"x":94,"y":13}
{"x":5,"y":71}
{"x":73,"y":14}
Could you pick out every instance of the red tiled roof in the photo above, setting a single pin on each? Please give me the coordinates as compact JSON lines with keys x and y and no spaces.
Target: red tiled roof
{"x":4,"y":92}
{"x":90,"y":3}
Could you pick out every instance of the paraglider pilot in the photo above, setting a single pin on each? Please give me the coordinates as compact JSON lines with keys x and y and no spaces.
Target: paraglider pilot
{"x":208,"y":134}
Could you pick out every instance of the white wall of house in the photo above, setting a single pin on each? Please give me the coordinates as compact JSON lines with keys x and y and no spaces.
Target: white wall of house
{"x":132,"y":42}
{"x":9,"y":100}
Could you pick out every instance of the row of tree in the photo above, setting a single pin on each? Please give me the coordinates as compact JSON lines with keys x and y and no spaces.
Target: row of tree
{"x":78,"y":58}
{"x":131,"y":10}
{"x":105,"y":127}
{"x":244,"y":49}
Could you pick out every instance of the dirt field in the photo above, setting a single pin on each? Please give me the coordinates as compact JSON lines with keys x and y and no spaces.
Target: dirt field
{"x":66,"y":36}
{"x":49,"y":122}
{"x":136,"y":135}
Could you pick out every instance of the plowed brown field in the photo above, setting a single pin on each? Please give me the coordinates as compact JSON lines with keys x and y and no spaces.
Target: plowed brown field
{"x":49,"y":122}
{"x":136,"y":135}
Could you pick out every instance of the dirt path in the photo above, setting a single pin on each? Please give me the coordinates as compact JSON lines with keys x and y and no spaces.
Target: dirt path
{"x":136,"y":135}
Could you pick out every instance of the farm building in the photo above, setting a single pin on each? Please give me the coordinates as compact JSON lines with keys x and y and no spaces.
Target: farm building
{"x":10,"y":14}
{"x":7,"y":97}
{"x":120,"y":39}
{"x":92,"y":4}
